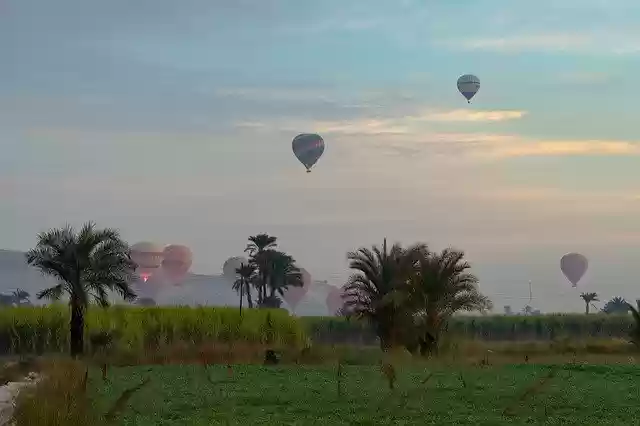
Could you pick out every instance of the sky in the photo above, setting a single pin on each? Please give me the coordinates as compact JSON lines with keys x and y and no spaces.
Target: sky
{"x":172,"y":121}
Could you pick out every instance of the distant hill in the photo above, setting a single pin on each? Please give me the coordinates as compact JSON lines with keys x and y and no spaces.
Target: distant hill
{"x":197,"y":289}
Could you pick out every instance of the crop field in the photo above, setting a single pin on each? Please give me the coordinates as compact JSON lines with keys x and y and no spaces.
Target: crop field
{"x":488,"y":328}
{"x":45,"y":329}
{"x":294,"y":395}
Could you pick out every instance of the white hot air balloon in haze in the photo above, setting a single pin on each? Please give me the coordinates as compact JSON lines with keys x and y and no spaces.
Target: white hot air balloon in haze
{"x":148,"y":256}
{"x":230,"y":266}
{"x":294,"y":295}
{"x":468,"y":85}
{"x":334,"y":300}
{"x":176,"y":262}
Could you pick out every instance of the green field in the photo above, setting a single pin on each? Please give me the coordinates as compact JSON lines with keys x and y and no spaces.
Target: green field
{"x":191,"y":395}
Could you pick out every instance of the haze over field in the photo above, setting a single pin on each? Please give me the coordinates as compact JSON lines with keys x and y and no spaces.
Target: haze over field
{"x":173,"y":121}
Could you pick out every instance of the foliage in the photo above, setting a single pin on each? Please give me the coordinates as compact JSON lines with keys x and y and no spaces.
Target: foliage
{"x":373,"y":293}
{"x":617,"y":305}
{"x":441,"y":287}
{"x":434,"y":395}
{"x":588,"y":299}
{"x":274,"y":270}
{"x":336,"y":330}
{"x":59,"y":399}
{"x":247,"y":274}
{"x":256,"y":247}
{"x":88,"y":263}
{"x":18,"y":297}
{"x":635,"y":331}
{"x":44,"y":328}
{"x":409,"y":294}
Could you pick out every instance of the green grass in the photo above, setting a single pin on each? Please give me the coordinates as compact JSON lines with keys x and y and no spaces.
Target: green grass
{"x":296,"y":395}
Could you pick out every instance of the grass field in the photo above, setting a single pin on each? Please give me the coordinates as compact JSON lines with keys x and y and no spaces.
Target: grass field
{"x":295,"y":395}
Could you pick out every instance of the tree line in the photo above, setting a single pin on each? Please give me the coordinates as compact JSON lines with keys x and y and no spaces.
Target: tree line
{"x":407,"y":294}
{"x":90,"y":263}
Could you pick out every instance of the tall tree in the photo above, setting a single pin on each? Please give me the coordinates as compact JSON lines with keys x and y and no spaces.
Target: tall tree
{"x":87,"y":264}
{"x":441,"y":286}
{"x":283,"y":272}
{"x":588,"y":299}
{"x":635,"y":331}
{"x":372,"y":292}
{"x":246,"y":276}
{"x":21,"y":297}
{"x":256,"y":248}
{"x":616,"y":305}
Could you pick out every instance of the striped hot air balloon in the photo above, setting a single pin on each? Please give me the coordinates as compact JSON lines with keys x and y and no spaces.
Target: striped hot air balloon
{"x":308,"y":148}
{"x":468,"y":85}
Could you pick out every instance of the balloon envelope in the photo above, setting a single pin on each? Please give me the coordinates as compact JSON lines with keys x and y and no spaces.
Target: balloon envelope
{"x":574,"y":266}
{"x":148,"y":256}
{"x":468,"y":85}
{"x":334,"y":300}
{"x":230,"y":266}
{"x":294,"y":295}
{"x":176,"y":262}
{"x":308,"y":148}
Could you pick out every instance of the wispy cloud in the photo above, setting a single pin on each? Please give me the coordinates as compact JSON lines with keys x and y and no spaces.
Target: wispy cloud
{"x":340,"y":98}
{"x":465,"y":115}
{"x":406,"y":125}
{"x":521,"y":147}
{"x":412,"y":135}
{"x":602,"y":43}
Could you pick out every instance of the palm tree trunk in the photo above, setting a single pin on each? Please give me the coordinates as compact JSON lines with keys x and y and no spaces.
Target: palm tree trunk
{"x":586,"y":309}
{"x":249,"y":299}
{"x":76,"y":329}
{"x":387,"y":338}
{"x":241,"y":296}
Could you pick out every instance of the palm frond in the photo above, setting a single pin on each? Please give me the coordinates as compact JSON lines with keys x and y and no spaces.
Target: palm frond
{"x":51,"y":293}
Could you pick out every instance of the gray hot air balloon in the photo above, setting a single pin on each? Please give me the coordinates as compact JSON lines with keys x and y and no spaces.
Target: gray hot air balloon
{"x":308,"y":148}
{"x":468,"y":85}
{"x":574,"y":266}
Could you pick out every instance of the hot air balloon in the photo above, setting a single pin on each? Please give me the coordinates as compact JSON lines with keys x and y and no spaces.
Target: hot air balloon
{"x":148,"y":256}
{"x":230,"y":266}
{"x":294,"y":295}
{"x":334,"y":300}
{"x":468,"y":85}
{"x":574,"y":266}
{"x":176,"y":262}
{"x":308,"y":148}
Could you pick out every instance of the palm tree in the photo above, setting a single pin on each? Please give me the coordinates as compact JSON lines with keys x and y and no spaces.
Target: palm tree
{"x":256,"y":247}
{"x":86,"y":264}
{"x":21,"y":297}
{"x":635,"y":331}
{"x":617,"y":305}
{"x":246,"y":275}
{"x":527,"y":310}
{"x":588,"y":299}
{"x":283,"y":272}
{"x":441,"y":287}
{"x":371,"y":292}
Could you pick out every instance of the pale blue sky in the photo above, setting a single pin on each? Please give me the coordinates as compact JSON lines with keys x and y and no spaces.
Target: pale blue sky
{"x":173,"y":121}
